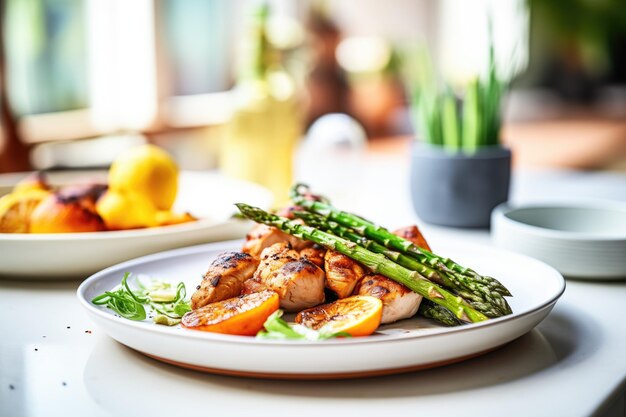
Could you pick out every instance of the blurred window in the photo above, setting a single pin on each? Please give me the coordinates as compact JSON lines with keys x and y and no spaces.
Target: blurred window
{"x":46,"y":54}
{"x":197,"y":44}
{"x":198,"y":36}
{"x":81,"y":68}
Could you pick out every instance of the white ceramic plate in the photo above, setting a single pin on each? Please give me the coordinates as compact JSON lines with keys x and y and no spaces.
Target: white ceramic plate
{"x":208,"y":196}
{"x":407,"y":345}
{"x":581,"y":239}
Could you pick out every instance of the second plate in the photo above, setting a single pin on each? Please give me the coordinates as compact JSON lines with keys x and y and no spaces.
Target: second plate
{"x":208,"y":196}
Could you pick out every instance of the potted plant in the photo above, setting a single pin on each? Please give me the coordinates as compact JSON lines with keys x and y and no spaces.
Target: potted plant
{"x":459,"y":171}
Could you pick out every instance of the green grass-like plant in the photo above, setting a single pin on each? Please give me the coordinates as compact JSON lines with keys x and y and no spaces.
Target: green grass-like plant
{"x":455,"y":123}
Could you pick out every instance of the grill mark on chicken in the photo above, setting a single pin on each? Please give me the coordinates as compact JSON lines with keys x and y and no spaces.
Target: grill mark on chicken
{"x":230,"y":259}
{"x":251,"y":286}
{"x":209,"y":315}
{"x":299,"y":266}
{"x":263,"y":236}
{"x":224,"y":278}
{"x":399,"y":302}
{"x":318,"y":316}
{"x":298,"y":282}
{"x":273,"y":258}
{"x":378,"y":291}
{"x":314,"y":254}
{"x":342,"y":273}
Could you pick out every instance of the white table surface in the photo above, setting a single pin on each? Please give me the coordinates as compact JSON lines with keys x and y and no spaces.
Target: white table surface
{"x":55,"y":362}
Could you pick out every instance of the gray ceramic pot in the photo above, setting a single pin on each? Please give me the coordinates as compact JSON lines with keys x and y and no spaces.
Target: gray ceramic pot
{"x":457,"y":189}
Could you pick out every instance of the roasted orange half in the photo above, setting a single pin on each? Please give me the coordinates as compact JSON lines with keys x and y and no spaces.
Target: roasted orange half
{"x":358,"y":315}
{"x":243,"y":315}
{"x":16,"y":210}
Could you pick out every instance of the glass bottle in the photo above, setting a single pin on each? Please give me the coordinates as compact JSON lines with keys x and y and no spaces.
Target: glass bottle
{"x":266,"y":124}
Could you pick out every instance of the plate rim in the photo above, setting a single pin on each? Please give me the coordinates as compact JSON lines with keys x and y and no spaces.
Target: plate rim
{"x":199,"y":224}
{"x":320,"y":376}
{"x":235,"y":339}
{"x":500,"y":215}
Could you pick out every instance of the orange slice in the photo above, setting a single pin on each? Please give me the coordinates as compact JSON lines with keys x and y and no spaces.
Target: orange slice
{"x":16,"y":210}
{"x":243,"y":315}
{"x":58,"y":215}
{"x":358,"y":315}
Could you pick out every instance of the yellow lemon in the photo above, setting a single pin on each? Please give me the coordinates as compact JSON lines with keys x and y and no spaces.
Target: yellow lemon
{"x":358,"y":315}
{"x":147,"y":170}
{"x":126,"y":210}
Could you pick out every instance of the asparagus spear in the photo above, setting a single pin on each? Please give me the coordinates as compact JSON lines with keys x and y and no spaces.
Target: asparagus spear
{"x":378,"y":263}
{"x":434,"y":311}
{"x":385,"y":237}
{"x":479,"y":297}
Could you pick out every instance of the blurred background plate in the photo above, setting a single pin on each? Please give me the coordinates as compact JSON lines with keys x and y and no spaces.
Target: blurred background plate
{"x":208,"y":196}
{"x":584,"y":239}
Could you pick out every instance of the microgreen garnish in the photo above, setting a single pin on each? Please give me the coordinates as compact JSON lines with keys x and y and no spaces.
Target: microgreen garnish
{"x":161,"y":297}
{"x":278,"y":329}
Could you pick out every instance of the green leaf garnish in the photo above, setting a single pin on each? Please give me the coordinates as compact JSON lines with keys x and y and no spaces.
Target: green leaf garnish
{"x":123,"y":302}
{"x":181,"y":308}
{"x":169,"y":304}
{"x":163,"y":319}
{"x":278,"y":329}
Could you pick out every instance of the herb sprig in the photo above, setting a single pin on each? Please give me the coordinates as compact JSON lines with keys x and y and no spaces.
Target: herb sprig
{"x":278,"y":329}
{"x":170,"y":304}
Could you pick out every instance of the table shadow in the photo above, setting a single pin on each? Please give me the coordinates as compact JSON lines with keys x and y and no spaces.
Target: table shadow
{"x":115,"y":374}
{"x":571,"y":340}
{"x":38,"y":285}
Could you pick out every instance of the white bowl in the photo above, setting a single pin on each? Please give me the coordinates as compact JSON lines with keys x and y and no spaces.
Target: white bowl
{"x":584,"y":240}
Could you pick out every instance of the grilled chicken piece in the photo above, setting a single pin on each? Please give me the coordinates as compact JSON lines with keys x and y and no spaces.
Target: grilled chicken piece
{"x":251,"y":286}
{"x":224,"y":279}
{"x":314,"y":254}
{"x":263,"y":236}
{"x":342,"y":273}
{"x":298,"y":282}
{"x":287,"y":211}
{"x":273,"y":258}
{"x":413,"y":234}
{"x":399,"y":302}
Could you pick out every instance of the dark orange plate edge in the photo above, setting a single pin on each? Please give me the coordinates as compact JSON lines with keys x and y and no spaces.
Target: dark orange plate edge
{"x":320,"y":376}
